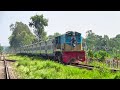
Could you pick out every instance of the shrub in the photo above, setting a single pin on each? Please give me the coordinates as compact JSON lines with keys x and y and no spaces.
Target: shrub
{"x":42,"y":69}
{"x":101,"y":55}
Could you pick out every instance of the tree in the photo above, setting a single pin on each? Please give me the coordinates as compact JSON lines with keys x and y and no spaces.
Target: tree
{"x":90,"y":54}
{"x":90,"y":39}
{"x":84,"y":44}
{"x":106,"y":42}
{"x":21,"y":35}
{"x":1,"y":49}
{"x":50,"y":37}
{"x":96,"y":43}
{"x":53,"y":36}
{"x":38,"y":23}
{"x":103,"y":54}
{"x":56,"y":34}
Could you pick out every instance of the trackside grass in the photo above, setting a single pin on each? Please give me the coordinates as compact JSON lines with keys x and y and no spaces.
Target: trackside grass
{"x":38,"y":68}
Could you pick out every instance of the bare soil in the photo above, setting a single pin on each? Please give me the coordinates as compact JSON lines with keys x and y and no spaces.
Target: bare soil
{"x":11,"y":69}
{"x":2,"y":74}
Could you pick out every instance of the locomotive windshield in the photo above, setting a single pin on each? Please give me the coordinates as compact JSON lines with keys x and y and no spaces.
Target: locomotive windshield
{"x":73,"y":38}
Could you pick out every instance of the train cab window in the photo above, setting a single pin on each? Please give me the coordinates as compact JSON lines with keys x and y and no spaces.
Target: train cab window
{"x":69,"y":34}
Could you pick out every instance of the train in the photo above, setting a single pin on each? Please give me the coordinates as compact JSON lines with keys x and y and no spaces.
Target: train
{"x":65,"y":48}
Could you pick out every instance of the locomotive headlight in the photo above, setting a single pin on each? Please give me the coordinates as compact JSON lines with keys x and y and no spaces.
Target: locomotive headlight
{"x":79,"y":58}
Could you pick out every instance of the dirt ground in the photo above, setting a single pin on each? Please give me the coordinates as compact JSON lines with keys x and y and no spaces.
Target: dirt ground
{"x":2,"y":75}
{"x":11,"y":70}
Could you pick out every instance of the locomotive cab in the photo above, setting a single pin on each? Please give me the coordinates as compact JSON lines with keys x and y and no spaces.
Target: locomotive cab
{"x":73,"y":41}
{"x":68,"y":48}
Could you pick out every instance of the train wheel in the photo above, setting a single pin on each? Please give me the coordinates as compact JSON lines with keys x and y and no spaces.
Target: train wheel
{"x":55,"y":58}
{"x":59,"y":58}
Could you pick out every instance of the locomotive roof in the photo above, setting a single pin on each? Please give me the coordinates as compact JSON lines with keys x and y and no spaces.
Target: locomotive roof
{"x":69,"y":32}
{"x":72,"y":32}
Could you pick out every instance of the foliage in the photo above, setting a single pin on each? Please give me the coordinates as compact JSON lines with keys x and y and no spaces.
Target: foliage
{"x":1,"y":49}
{"x":96,"y":42}
{"x":101,"y":55}
{"x":38,"y":23}
{"x":45,"y":69}
{"x":53,"y":36}
{"x":21,"y":35}
{"x":90,"y":54}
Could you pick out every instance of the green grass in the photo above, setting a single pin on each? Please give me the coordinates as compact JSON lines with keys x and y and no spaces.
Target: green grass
{"x":37,"y":68}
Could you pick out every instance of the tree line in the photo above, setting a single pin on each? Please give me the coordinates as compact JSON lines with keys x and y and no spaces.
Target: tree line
{"x":22,"y":35}
{"x":1,"y":49}
{"x":96,"y":44}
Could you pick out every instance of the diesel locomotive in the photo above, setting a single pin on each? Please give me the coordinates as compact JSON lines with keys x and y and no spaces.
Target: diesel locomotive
{"x":66,"y":48}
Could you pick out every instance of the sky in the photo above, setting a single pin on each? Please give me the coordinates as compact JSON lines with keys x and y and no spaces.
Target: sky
{"x":100,"y":22}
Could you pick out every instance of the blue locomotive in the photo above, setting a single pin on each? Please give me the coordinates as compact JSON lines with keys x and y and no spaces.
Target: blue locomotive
{"x":66,"y":48}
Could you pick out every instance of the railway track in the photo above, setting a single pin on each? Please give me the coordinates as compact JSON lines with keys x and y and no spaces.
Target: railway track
{"x":6,"y":71}
{"x":90,"y":67}
{"x":4,"y":68}
{"x":7,"y":74}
